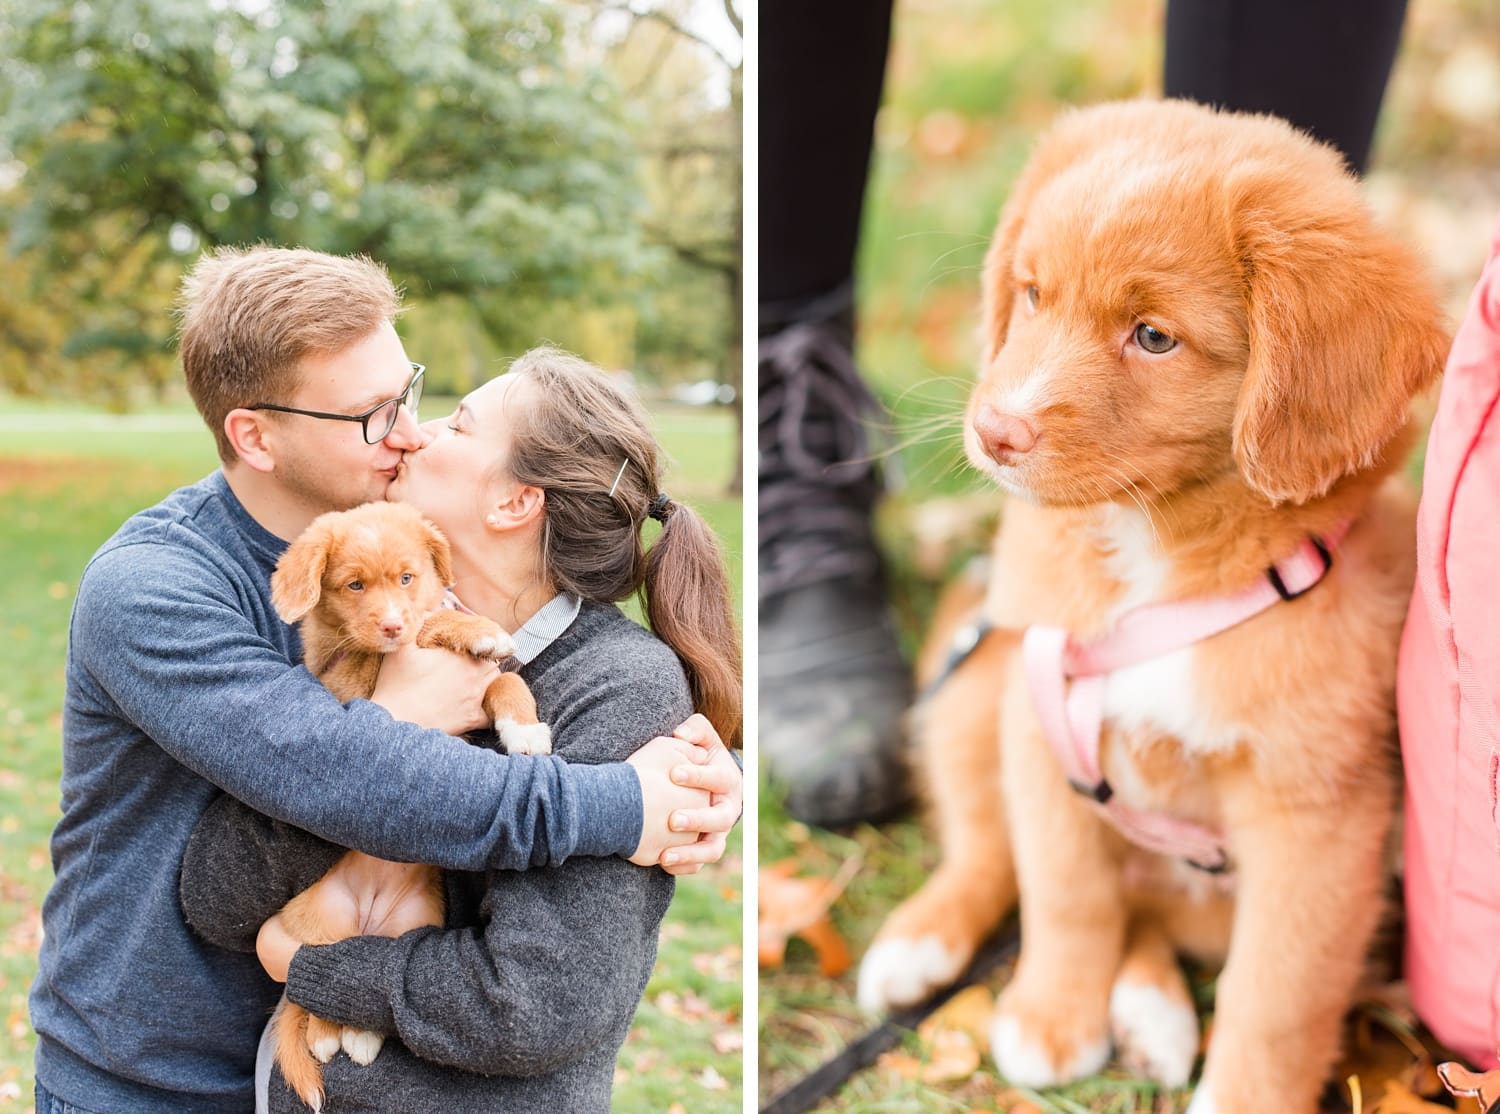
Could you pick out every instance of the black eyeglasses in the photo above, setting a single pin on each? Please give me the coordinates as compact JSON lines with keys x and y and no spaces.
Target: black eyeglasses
{"x":378,"y":421}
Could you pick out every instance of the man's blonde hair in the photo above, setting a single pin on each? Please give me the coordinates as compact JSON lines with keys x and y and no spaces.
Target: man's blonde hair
{"x":249,"y":315}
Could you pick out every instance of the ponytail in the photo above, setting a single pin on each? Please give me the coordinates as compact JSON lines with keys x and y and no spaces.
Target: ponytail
{"x":587,"y":444}
{"x":688,"y":605}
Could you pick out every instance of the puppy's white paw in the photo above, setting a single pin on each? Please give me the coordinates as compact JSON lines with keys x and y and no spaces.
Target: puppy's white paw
{"x":1203,"y":1101}
{"x":904,"y":972}
{"x":494,"y":646}
{"x":325,"y":1047}
{"x":1156,"y":1035}
{"x":1024,"y":1062}
{"x":362,"y":1046}
{"x":524,"y":738}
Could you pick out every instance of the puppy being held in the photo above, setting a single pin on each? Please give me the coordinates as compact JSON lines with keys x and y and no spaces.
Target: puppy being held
{"x":1199,"y":353}
{"x":364,"y":583}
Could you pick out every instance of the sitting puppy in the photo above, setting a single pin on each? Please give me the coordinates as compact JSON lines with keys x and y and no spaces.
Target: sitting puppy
{"x":363,"y":583}
{"x":1198,"y":358}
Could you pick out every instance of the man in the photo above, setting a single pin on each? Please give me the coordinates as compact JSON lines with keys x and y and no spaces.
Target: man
{"x":181,"y":682}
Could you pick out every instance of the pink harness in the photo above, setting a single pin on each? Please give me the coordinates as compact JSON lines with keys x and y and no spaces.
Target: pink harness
{"x":1067,"y":676}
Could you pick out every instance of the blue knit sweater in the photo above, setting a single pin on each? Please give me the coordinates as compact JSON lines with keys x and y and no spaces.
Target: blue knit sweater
{"x":180,"y":681}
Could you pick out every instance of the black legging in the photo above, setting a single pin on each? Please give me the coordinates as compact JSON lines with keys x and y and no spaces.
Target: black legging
{"x":1322,"y":64}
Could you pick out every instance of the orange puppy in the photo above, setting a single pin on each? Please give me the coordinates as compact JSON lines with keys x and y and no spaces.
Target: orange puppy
{"x":1198,"y":353}
{"x":363,"y":583}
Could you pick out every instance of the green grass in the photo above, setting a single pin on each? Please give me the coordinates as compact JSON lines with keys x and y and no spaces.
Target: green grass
{"x":64,"y":488}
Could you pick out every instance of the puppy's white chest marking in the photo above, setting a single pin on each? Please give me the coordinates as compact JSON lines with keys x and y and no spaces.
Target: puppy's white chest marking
{"x":1159,"y":696}
{"x":1131,"y":557}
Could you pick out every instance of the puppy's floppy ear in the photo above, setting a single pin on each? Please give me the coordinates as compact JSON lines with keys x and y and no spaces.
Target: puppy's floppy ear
{"x":437,"y":545}
{"x":1343,"y":331}
{"x":297,"y":583}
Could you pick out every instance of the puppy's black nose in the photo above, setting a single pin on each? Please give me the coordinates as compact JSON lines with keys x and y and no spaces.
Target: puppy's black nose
{"x":1003,"y":436}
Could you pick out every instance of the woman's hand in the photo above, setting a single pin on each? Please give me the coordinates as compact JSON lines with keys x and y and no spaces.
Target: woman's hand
{"x":275,"y":946}
{"x":721,"y":776}
{"x":656,"y":765}
{"x":434,"y":688}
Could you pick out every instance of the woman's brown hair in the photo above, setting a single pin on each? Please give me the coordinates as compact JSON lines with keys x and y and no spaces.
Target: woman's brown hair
{"x":586,"y":443}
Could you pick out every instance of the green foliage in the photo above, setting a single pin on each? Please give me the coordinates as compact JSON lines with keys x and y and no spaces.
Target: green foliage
{"x":692,"y":169}
{"x":466,"y":144}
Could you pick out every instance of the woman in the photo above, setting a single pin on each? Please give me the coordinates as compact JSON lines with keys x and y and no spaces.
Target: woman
{"x":542,"y":480}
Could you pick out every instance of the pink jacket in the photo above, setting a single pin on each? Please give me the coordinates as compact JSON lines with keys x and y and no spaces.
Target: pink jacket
{"x":1449,"y":698}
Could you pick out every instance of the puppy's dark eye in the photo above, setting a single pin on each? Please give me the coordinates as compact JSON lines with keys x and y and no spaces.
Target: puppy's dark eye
{"x":1033,"y":296}
{"x":406,"y":578}
{"x":1153,"y":339}
{"x":356,"y":585}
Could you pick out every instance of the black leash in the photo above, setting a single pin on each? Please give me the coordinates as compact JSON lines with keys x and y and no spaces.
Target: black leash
{"x":965,"y":641}
{"x":824,"y":1080}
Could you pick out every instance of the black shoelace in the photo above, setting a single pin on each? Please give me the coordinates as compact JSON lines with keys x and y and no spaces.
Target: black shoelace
{"x":818,"y":481}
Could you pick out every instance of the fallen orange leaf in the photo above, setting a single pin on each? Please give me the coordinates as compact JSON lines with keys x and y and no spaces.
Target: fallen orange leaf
{"x":903,"y":1064}
{"x":790,"y":906}
{"x":952,"y":1056}
{"x":969,"y":1011}
{"x":833,"y":953}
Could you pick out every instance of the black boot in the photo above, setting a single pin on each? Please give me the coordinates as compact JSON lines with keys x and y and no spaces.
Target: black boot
{"x":833,"y":685}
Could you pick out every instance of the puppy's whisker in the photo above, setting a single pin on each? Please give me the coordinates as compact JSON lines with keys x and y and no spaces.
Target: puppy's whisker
{"x":946,"y":273}
{"x":936,"y":381}
{"x":954,"y":251}
{"x":1127,"y":485}
{"x":1160,"y":503}
{"x":972,"y":239}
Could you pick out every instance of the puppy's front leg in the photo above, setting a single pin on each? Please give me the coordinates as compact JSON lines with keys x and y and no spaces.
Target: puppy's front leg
{"x":1052,"y":1022}
{"x":932,"y":936}
{"x":1309,"y":898}
{"x":466,"y":634}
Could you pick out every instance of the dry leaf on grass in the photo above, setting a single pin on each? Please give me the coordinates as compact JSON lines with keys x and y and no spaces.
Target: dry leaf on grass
{"x":792,"y":906}
{"x":969,"y":1011}
{"x":710,"y":1080}
{"x":951,"y":1040}
{"x":726,"y":1041}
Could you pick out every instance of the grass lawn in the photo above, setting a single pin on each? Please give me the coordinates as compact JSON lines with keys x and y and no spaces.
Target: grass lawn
{"x":970,"y":86}
{"x":66,"y":483}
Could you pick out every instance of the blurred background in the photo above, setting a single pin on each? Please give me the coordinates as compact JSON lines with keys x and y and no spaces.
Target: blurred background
{"x":528,"y":171}
{"x":970,"y":85}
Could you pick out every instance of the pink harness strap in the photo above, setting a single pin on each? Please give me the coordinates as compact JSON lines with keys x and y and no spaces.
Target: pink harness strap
{"x":1067,"y":676}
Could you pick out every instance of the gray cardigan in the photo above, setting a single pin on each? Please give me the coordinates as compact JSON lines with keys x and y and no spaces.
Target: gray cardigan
{"x":523,"y":1001}
{"x":180,"y":683}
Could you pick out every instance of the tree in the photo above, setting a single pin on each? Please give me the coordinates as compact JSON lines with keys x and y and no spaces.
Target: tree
{"x":693,"y":172}
{"x":458,"y":141}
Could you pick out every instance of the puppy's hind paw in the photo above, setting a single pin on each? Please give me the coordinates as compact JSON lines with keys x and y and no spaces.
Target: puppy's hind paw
{"x":524,"y":738}
{"x":362,"y":1046}
{"x":325,"y":1047}
{"x":899,"y":972}
{"x":1156,"y":1034}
